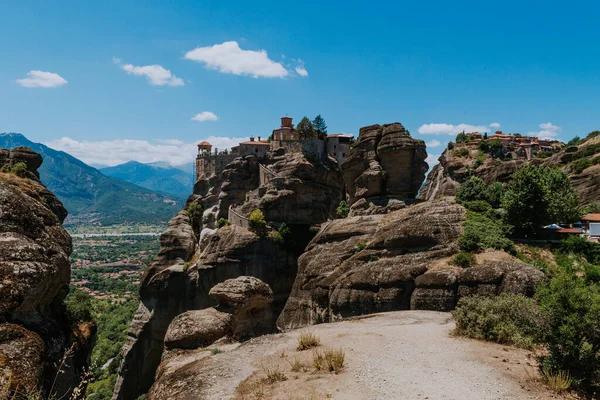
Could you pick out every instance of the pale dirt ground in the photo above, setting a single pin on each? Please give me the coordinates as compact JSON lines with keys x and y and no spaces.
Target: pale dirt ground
{"x":396,"y":355}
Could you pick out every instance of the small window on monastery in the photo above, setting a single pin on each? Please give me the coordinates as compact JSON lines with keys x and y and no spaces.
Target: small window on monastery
{"x":334,"y":146}
{"x":256,"y":150}
{"x":343,"y":154}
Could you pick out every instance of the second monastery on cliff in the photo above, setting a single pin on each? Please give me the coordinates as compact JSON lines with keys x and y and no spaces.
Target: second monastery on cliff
{"x":210,"y":162}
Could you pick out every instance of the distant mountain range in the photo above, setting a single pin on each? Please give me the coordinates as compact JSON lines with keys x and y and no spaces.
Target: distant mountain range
{"x":92,"y":197}
{"x":159,"y":177}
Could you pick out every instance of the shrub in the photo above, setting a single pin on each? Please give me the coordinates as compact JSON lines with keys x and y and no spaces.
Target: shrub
{"x":507,"y":318}
{"x":78,"y":306}
{"x":479,"y":161}
{"x":334,"y":358}
{"x":462,"y":152}
{"x":580,"y":165}
{"x":481,"y":232}
{"x":222,"y":222}
{"x":18,"y":168}
{"x":285,"y":232}
{"x":307,"y":340}
{"x":273,"y":375}
{"x":573,"y":332}
{"x":194,"y":211}
{"x":450,"y":145}
{"x":342,"y":210}
{"x":557,"y":381}
{"x":479,"y":206}
{"x":276,"y":237}
{"x":472,"y":189}
{"x":581,"y":246}
{"x":257,"y":220}
{"x":360,"y":247}
{"x":463,"y":259}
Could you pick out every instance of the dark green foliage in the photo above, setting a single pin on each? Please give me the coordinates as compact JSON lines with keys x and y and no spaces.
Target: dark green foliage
{"x":591,"y":208}
{"x":342,"y":209}
{"x":543,"y":154}
{"x":194,"y":211}
{"x":450,"y":145}
{"x":305,"y":128}
{"x":581,"y":246}
{"x":461,"y":137}
{"x":89,"y":195}
{"x":296,"y":236}
{"x":257,"y":221}
{"x":507,"y":318}
{"x":462,"y":152}
{"x":463,"y":259}
{"x":481,"y":232}
{"x":574,"y":142}
{"x":479,"y":206}
{"x":78,"y":305}
{"x":360,"y":247}
{"x":479,"y":161}
{"x":320,"y":127}
{"x":485,"y":136}
{"x":591,"y":135}
{"x":493,"y":147}
{"x":222,"y":222}
{"x":475,"y":189}
{"x":573,"y":333}
{"x":580,"y":165}
{"x":18,"y":168}
{"x":538,"y":196}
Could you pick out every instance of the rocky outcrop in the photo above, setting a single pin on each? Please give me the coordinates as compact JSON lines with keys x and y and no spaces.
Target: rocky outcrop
{"x":197,"y":328}
{"x":35,"y":275}
{"x":174,"y":285}
{"x":445,"y":177}
{"x":399,"y":261}
{"x":384,"y":163}
{"x":306,"y":190}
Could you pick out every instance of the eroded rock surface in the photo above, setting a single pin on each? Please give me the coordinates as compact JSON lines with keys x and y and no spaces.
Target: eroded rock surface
{"x":399,"y":261}
{"x":34,"y":279}
{"x":385,"y":162}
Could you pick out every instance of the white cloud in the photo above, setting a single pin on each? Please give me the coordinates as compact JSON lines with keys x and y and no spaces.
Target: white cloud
{"x":302,"y":72}
{"x":114,"y":152}
{"x":433,"y":143}
{"x":156,"y":74}
{"x":42,"y":79}
{"x":205,"y":116}
{"x":229,"y":58}
{"x":548,"y":131}
{"x":449,"y":129}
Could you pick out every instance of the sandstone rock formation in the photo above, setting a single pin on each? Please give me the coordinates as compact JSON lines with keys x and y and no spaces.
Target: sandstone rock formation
{"x":385,"y":163}
{"x":197,"y":328}
{"x":174,"y":285}
{"x":399,"y":261}
{"x":34,"y":275}
{"x":306,"y":190}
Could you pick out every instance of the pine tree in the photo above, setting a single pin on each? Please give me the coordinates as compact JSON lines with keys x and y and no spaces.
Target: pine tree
{"x":305,"y":128}
{"x":320,"y":126}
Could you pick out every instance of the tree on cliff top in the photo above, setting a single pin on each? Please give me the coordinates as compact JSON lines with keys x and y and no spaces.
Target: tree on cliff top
{"x":305,"y":128}
{"x":320,"y":126}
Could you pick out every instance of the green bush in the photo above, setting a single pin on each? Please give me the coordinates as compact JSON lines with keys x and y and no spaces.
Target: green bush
{"x":450,"y":145}
{"x":463,"y":259}
{"x":222,"y":222}
{"x":581,"y":246}
{"x":507,"y":318}
{"x":257,"y":220}
{"x":462,"y":152}
{"x":479,"y":161}
{"x":342,"y":210}
{"x":18,"y":168}
{"x":78,"y":306}
{"x":360,"y":247}
{"x":573,"y":332}
{"x":479,"y":206}
{"x":194,"y":211}
{"x":276,"y":237}
{"x":481,"y":232}
{"x":580,"y":165}
{"x":475,"y":189}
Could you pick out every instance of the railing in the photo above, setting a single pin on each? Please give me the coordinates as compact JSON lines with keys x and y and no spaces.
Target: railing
{"x":237,"y":219}
{"x":266,"y":174}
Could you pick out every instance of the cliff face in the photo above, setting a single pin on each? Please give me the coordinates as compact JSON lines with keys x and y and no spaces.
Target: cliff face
{"x":192,"y":260}
{"x":35,"y":274}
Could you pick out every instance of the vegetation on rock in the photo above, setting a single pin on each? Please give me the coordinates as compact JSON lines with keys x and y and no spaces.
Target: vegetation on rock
{"x":257,"y":220}
{"x":342,"y":210}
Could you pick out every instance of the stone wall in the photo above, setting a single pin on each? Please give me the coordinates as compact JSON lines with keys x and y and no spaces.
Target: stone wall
{"x":307,"y":147}
{"x":237,"y":219}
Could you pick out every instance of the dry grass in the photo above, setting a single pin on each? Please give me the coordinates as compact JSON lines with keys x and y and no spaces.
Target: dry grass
{"x":332,"y":360}
{"x":272,"y":374}
{"x":559,"y":381}
{"x":308,"y":340}
{"x":297,"y":365}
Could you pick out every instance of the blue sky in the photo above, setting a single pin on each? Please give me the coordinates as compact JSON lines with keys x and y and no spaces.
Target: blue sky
{"x":129,"y":77}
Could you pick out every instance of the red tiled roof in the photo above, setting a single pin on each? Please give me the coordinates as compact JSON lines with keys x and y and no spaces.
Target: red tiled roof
{"x":263,"y":143}
{"x":568,"y":230}
{"x":204,"y":143}
{"x":591,"y":217}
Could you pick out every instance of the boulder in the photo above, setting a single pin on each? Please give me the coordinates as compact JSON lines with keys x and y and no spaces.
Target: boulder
{"x":197,"y":328}
{"x":249,"y":301}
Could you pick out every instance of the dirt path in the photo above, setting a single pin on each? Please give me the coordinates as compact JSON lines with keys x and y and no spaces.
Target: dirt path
{"x":398,"y":355}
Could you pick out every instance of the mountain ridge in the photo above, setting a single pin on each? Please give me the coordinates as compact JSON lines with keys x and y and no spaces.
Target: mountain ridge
{"x":89,"y":195}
